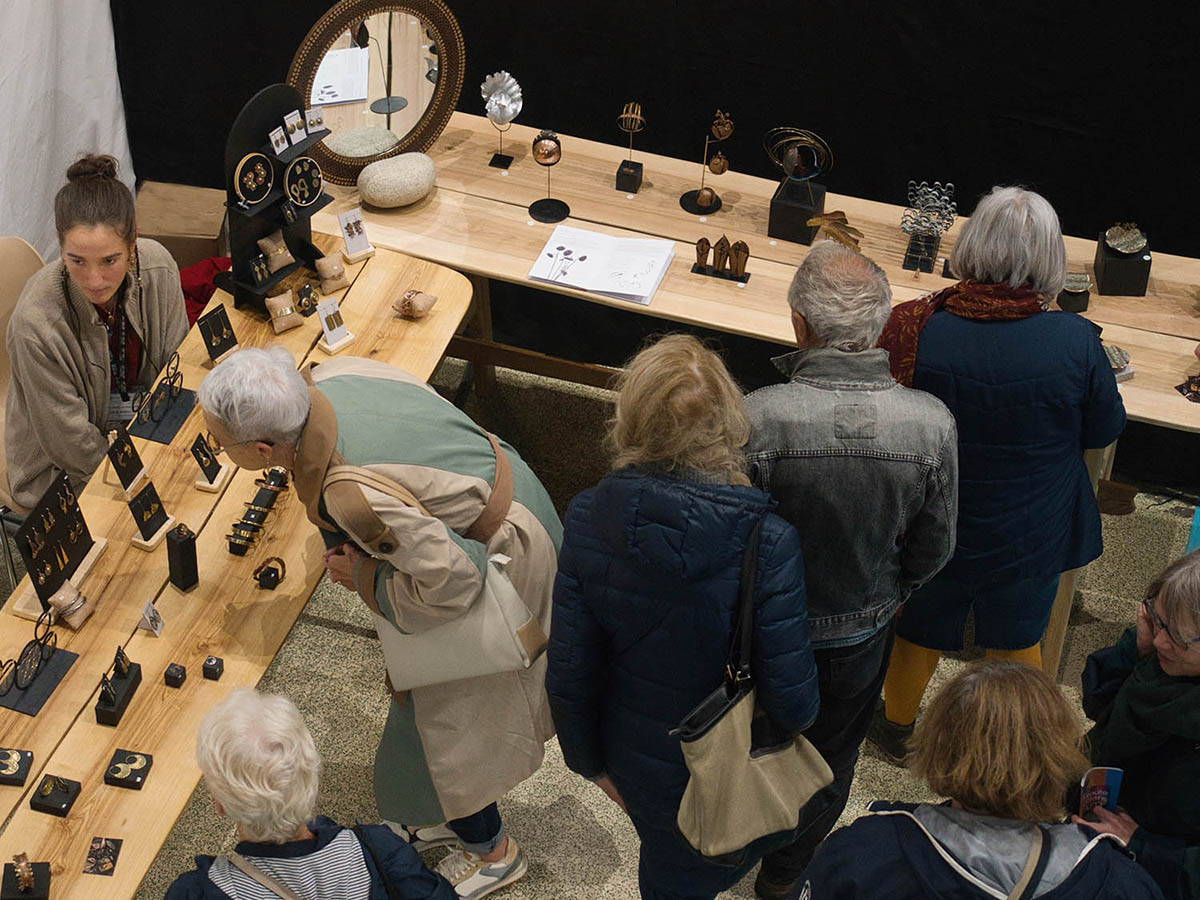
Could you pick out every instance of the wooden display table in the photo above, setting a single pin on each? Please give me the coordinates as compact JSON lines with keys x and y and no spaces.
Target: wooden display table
{"x":476,"y":221}
{"x":226,"y":615}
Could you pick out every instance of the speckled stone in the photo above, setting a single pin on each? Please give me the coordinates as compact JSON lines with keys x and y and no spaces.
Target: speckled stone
{"x":397,"y":181}
{"x":361,"y":142}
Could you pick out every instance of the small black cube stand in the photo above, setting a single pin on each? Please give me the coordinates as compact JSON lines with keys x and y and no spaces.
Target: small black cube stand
{"x":1123,"y":274}
{"x":791,"y":208}
{"x":128,"y":769}
{"x":10,"y":887}
{"x":1073,"y":301}
{"x":921,"y":252}
{"x":57,"y":802}
{"x":629,"y":176}
{"x":124,"y":687}
{"x":19,"y":761}
{"x":500,"y":161}
{"x":175,"y":675}
{"x":213,"y":667}
{"x":713,"y":273}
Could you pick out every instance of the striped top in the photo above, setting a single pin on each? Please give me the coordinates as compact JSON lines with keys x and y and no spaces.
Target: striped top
{"x":336,"y":870}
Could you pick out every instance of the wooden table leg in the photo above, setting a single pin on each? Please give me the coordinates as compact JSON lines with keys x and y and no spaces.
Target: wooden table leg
{"x":1098,"y":462}
{"x":484,"y":374}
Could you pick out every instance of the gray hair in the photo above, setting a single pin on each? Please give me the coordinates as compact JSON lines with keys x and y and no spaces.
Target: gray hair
{"x":260,"y":763}
{"x":257,"y":395}
{"x":844,"y":297}
{"x":1013,"y":237}
{"x":1178,"y":592}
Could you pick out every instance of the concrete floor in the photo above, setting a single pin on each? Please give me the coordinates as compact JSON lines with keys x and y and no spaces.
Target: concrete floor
{"x":578,"y":842}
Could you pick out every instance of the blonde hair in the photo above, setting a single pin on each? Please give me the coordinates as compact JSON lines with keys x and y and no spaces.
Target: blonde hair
{"x":1000,"y":739}
{"x":1178,"y":591}
{"x":260,"y":763}
{"x":679,"y":408}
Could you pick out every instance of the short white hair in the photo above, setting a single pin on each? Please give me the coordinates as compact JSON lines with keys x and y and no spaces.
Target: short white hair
{"x":1014,"y":238}
{"x":257,"y":395}
{"x":260,"y":763}
{"x":844,"y":297}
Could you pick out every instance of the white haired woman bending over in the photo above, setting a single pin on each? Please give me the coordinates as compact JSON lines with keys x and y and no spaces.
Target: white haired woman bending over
{"x":262,"y":769}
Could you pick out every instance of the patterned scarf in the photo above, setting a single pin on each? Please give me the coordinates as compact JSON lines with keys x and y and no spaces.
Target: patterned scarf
{"x":969,"y":299}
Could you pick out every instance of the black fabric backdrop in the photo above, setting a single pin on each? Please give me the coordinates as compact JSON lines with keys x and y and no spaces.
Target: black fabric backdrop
{"x":1088,"y":103}
{"x":1091,"y":104}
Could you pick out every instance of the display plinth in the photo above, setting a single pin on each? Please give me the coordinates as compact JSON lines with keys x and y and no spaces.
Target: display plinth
{"x":110,"y":477}
{"x":352,"y":258}
{"x":629,"y":176}
{"x":500,"y":161}
{"x":1073,"y":301}
{"x":124,"y":686}
{"x":921,"y":252}
{"x":213,"y":487}
{"x":156,"y":539}
{"x":1123,"y":274}
{"x":689,"y":204}
{"x":336,"y":346}
{"x":549,"y":210}
{"x":28,"y":606}
{"x":211,"y":363}
{"x":57,"y":802}
{"x":711,"y":272}
{"x":10,"y":887}
{"x":791,"y":208}
{"x":24,"y":764}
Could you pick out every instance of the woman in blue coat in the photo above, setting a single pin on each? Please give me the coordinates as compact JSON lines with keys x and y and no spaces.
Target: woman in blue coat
{"x":1030,"y":390}
{"x":645,"y":598}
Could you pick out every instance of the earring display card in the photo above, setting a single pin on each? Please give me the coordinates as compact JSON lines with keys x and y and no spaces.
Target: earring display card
{"x":125,"y":459}
{"x":306,"y":300}
{"x":102,"y":856}
{"x":54,"y":795}
{"x":279,"y":141}
{"x":337,"y":335}
{"x":206,"y":459}
{"x":293,"y":124}
{"x":14,"y":766}
{"x":354,"y":235}
{"x":128,"y":769}
{"x":217,"y":332}
{"x":54,"y":539}
{"x":149,"y":514}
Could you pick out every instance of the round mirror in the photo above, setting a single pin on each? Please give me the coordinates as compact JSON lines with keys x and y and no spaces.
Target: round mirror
{"x":386,"y":77}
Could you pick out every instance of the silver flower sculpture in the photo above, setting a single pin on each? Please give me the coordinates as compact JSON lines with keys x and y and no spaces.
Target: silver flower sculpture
{"x":502,"y":98}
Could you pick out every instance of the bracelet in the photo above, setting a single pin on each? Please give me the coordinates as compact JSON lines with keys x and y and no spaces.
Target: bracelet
{"x":24,"y":872}
{"x":267,"y":562}
{"x":74,"y":607}
{"x":280,"y":313}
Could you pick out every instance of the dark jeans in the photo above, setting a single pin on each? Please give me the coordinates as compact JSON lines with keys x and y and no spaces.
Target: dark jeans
{"x":479,"y":832}
{"x":670,"y":870}
{"x":849,"y":679}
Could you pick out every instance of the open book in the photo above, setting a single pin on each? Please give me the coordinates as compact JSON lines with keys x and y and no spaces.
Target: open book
{"x":625,"y":268}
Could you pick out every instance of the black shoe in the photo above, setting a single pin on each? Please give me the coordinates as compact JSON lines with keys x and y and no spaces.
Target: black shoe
{"x":769,"y":889}
{"x":890,"y":738}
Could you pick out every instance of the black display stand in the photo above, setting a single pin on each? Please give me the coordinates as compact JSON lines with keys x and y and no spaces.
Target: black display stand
{"x":629,"y":176}
{"x":1073,"y":301}
{"x":24,"y":763}
{"x":549,"y":210}
{"x":10,"y":888}
{"x":792,"y":207}
{"x":921,"y":252}
{"x":57,"y":802}
{"x":248,"y":223}
{"x":124,"y":687}
{"x":1124,"y":274}
{"x":711,"y":271}
{"x":689,"y":204}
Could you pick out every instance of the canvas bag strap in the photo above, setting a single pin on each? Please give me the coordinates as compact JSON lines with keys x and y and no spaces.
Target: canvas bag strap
{"x":495,"y":511}
{"x":737,"y":669}
{"x":252,"y":871}
{"x":1035,"y":865}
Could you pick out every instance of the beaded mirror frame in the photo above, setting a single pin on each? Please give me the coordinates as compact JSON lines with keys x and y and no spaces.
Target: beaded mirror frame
{"x":344,"y":16}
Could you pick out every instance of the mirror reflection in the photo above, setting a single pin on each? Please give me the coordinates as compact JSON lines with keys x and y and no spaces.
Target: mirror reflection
{"x":375,"y":82}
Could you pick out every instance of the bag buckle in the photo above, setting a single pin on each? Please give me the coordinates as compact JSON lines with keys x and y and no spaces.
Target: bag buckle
{"x":737,"y":677}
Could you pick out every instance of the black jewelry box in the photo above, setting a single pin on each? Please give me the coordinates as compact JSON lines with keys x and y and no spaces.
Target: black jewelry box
{"x":57,"y":802}
{"x":792,"y":207}
{"x":1124,"y":274}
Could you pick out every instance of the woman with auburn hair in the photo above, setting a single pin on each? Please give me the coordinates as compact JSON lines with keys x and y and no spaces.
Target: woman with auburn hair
{"x":645,"y":598}
{"x":1144,"y":694}
{"x":88,"y":332}
{"x":1002,"y":743}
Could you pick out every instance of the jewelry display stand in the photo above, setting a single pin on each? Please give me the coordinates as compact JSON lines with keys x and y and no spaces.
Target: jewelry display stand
{"x":110,"y":477}
{"x":28,"y":606}
{"x":250,"y":222}
{"x":124,"y":687}
{"x":210,"y":363}
{"x":337,"y":346}
{"x":214,"y":487}
{"x":359,"y":256}
{"x":156,"y":539}
{"x":10,"y":888}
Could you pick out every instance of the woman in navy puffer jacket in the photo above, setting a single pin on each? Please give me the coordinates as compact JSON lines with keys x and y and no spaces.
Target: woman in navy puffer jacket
{"x":645,"y":598}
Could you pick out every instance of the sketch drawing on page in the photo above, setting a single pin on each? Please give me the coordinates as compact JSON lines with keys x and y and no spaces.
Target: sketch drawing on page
{"x":561,"y":261}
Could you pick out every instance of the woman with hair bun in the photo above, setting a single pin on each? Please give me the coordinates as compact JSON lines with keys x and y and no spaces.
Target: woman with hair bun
{"x":87,"y":333}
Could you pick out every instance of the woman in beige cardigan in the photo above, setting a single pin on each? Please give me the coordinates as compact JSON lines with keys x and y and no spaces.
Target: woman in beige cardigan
{"x":87,"y":333}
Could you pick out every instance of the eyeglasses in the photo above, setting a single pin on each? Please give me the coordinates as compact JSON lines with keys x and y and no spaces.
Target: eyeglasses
{"x":216,"y":447}
{"x":1158,"y":623}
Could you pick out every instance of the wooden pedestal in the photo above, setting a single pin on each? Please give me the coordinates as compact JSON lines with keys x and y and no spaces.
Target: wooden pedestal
{"x":158,"y":536}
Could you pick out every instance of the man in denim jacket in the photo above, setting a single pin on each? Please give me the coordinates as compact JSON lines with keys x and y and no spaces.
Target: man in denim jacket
{"x":867,"y":471}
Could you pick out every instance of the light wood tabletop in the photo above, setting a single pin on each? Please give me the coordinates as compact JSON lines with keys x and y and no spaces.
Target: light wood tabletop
{"x":226,"y":615}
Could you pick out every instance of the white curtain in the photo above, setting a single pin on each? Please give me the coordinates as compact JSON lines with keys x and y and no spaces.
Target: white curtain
{"x":59,"y":98}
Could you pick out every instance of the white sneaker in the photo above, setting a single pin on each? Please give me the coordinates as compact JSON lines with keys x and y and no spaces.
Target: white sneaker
{"x":424,"y":838}
{"x":472,"y":876}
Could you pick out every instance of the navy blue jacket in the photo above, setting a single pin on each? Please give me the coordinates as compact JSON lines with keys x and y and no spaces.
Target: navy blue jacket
{"x":644,"y":605}
{"x":916,"y":852}
{"x":1028,"y":397}
{"x":405,"y":870}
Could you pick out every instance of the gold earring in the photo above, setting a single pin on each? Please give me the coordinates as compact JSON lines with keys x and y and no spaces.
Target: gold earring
{"x":120,"y":770}
{"x":136,"y":761}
